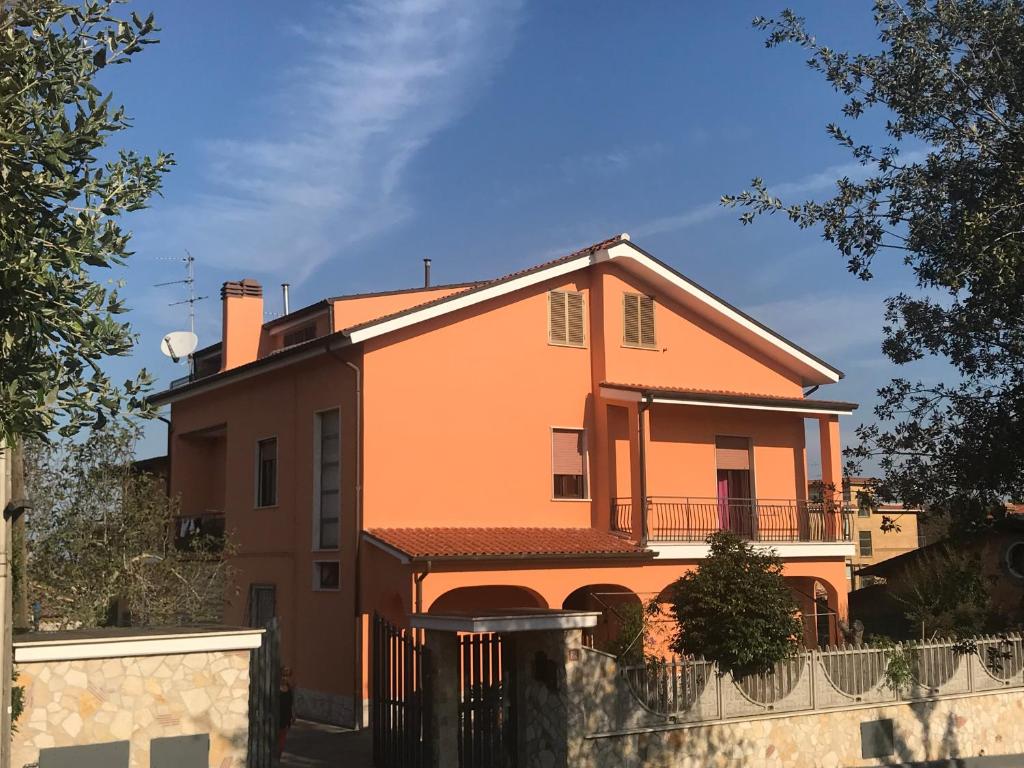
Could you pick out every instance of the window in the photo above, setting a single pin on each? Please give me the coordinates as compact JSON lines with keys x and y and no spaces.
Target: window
{"x":326,"y":575}
{"x":327,"y":498}
{"x":865,"y":543}
{"x":565,"y":318}
{"x":568,"y":459}
{"x":638,"y":320}
{"x":266,"y":472}
{"x":863,"y":508}
{"x":262,"y":604}
{"x":299,"y":335}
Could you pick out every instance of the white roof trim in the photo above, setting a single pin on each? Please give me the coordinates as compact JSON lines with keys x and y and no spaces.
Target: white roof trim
{"x":135,"y":645}
{"x":786,"y":550}
{"x":470,"y":299}
{"x":632,"y":396}
{"x":509,"y":623}
{"x":627,"y":250}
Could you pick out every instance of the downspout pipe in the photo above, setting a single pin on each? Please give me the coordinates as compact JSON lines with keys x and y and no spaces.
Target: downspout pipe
{"x":418,"y":580}
{"x":643,"y":407}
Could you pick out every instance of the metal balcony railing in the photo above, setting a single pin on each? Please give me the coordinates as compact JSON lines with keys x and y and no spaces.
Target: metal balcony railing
{"x":684,"y":518}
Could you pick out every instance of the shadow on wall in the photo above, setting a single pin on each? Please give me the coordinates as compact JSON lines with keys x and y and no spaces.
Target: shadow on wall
{"x":911,"y":747}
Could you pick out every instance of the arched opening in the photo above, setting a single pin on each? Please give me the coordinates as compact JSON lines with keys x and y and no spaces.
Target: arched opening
{"x":491,"y":597}
{"x":817,"y":601}
{"x":620,"y":628}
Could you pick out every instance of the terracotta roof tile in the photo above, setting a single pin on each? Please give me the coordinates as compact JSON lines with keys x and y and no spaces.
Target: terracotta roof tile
{"x":505,"y":543}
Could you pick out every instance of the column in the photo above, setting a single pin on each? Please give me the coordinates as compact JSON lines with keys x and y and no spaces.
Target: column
{"x":442,"y":672}
{"x":831,"y":475}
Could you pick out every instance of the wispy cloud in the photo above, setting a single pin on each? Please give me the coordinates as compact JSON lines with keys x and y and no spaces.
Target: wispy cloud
{"x":610,"y":162}
{"x":828,"y":324}
{"x":787,"y":191}
{"x":326,"y":169}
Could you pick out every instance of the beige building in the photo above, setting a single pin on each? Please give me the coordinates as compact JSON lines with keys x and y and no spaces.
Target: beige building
{"x":871,"y":543}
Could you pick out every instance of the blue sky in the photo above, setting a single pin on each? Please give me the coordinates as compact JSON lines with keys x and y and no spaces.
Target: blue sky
{"x":336,"y":145}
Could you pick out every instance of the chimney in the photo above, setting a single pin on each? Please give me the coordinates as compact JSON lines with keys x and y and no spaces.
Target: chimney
{"x":284,"y":296}
{"x":243,"y":322}
{"x":426,"y":273}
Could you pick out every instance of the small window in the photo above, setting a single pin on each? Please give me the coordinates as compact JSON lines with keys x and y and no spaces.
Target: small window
{"x":299,"y":335}
{"x":266,"y":472}
{"x":863,"y":508}
{"x":638,"y":321}
{"x":328,"y":480}
{"x":865,"y":543}
{"x":565,"y":318}
{"x":568,"y":462}
{"x":326,"y":575}
{"x":262,"y":604}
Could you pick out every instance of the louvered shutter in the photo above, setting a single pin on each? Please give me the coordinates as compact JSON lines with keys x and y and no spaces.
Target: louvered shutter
{"x":567,"y":452}
{"x":646,"y":321}
{"x":556,"y":317}
{"x":631,"y":319}
{"x":732,"y":452}
{"x":574,"y":319}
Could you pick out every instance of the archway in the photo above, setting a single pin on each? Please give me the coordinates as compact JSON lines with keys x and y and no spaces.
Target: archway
{"x":620,"y":629}
{"x":817,"y":601}
{"x":490,"y":597}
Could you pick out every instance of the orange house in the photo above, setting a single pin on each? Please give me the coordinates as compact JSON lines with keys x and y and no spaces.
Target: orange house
{"x":564,"y":436}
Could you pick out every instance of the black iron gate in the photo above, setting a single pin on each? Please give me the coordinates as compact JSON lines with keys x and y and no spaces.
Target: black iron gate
{"x":401,"y":727}
{"x":487,"y":734}
{"x":264,"y":686}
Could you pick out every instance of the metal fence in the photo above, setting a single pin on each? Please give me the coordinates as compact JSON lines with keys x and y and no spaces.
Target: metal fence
{"x":835,"y":677}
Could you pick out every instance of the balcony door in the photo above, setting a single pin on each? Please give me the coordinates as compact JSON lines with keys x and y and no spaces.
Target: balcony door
{"x":735,"y":487}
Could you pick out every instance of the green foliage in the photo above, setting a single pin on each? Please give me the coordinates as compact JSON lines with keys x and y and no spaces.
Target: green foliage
{"x":736,"y":609}
{"x":945,"y":594}
{"x":941,"y":193}
{"x":101,"y":533}
{"x":17,"y":702}
{"x":59,"y":209}
{"x":628,"y":645}
{"x":899,"y":666}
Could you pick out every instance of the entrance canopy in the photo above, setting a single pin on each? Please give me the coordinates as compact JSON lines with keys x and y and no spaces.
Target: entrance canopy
{"x":504,"y":621}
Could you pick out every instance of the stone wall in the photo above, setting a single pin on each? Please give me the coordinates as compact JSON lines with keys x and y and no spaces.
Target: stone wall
{"x":136,"y":699}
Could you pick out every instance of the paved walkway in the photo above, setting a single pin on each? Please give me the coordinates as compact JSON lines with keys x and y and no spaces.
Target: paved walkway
{"x":314,"y":745}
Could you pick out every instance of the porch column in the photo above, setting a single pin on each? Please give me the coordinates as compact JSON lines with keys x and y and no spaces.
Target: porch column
{"x":442,"y":682}
{"x":831,"y":455}
{"x":831,"y":476}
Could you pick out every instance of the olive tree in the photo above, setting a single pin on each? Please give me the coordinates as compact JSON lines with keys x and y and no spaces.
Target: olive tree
{"x":942,"y":192}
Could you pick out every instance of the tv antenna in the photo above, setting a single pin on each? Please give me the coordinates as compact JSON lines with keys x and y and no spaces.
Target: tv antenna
{"x":178,"y":344}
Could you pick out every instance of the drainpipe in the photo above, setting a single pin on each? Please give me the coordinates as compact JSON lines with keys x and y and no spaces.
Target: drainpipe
{"x":418,"y":579}
{"x":644,"y":405}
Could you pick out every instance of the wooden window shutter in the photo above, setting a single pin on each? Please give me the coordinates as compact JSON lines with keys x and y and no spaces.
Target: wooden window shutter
{"x":631,"y":318}
{"x":732,"y":452}
{"x":556,"y":317}
{"x":574,"y":319}
{"x":567,"y":452}
{"x":647,"y":321}
{"x":638,"y":320}
{"x":565,"y":318}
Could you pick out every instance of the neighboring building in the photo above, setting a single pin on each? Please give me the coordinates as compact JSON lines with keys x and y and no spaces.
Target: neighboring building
{"x":1001,"y":550}
{"x":562,"y":437}
{"x":871,"y":543}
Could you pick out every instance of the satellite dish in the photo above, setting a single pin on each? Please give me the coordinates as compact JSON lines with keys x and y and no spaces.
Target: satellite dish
{"x":179,"y":344}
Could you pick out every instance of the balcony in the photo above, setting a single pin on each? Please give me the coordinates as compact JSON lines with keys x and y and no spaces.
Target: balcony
{"x":691,"y":519}
{"x":205,"y":530}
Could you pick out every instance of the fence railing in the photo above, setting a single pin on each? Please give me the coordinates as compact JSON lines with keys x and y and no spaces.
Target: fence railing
{"x":687,"y":518}
{"x":686,"y":690}
{"x":190,"y":528}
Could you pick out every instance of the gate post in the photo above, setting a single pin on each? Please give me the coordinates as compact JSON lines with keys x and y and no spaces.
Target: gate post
{"x":442,"y":686}
{"x":550,"y":727}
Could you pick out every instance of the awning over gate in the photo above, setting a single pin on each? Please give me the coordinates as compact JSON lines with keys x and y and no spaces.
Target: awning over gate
{"x":504,"y":621}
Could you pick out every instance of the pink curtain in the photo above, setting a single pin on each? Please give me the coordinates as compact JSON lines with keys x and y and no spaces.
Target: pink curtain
{"x":723,"y":499}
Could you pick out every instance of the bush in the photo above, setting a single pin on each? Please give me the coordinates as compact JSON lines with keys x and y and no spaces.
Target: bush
{"x":735,"y":609}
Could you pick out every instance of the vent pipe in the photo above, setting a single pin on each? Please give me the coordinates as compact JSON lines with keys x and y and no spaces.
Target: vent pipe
{"x":426,"y":273}
{"x":284,"y":296}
